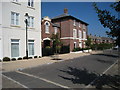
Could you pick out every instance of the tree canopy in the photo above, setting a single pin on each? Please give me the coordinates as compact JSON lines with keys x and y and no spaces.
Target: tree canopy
{"x":110,"y":21}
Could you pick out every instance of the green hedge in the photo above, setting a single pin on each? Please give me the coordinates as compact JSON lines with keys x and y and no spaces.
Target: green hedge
{"x":101,"y":46}
{"x":47,"y":51}
{"x":50,"y":51}
{"x":65,"y":49}
{"x":80,"y":49}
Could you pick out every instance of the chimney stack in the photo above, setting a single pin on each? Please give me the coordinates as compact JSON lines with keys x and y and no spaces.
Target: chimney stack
{"x":65,"y":11}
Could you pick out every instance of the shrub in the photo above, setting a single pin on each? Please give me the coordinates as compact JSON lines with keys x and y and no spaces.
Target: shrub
{"x":86,"y":48}
{"x":29,"y":57}
{"x":39,"y":56}
{"x":19,"y":58}
{"x":65,"y":49}
{"x":77,"y":49}
{"x":35,"y":56}
{"x":13,"y":59}
{"x":6,"y":59}
{"x":25,"y":57}
{"x":47,"y":51}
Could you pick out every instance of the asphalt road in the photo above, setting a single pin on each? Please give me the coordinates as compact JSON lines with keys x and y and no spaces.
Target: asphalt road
{"x":74,"y":73}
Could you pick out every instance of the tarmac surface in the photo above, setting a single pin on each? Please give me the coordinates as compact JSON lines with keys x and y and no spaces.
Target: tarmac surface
{"x":48,"y":73}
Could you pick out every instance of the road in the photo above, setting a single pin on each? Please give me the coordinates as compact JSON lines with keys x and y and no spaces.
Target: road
{"x":75,"y":73}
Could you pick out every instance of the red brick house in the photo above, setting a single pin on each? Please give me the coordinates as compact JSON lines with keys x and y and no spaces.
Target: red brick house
{"x":47,"y":29}
{"x":98,"y":40}
{"x":73,"y":31}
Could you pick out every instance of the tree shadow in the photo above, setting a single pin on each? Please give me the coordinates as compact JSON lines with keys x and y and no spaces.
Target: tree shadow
{"x":83,"y":76}
{"x":79,"y":76}
{"x":105,"y":61}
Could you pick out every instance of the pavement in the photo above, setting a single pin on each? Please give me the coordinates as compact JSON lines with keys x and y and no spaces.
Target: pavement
{"x":23,"y":64}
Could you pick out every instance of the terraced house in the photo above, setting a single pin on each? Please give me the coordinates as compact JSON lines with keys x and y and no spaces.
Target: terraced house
{"x":13,"y":28}
{"x":73,"y":31}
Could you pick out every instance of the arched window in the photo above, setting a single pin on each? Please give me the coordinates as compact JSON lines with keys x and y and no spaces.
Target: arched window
{"x":47,"y":24}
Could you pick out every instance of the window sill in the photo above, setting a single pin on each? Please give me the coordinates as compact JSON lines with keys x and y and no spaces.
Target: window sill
{"x":47,"y":33}
{"x":31,"y":28}
{"x":15,"y":26}
{"x":31,"y":7}
{"x":74,"y":25}
{"x":16,"y":3}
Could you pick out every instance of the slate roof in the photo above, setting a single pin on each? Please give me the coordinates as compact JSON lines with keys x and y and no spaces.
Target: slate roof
{"x":55,"y":25}
{"x":70,"y":16}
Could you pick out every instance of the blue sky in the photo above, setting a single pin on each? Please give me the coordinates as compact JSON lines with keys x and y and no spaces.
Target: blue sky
{"x":81,"y":10}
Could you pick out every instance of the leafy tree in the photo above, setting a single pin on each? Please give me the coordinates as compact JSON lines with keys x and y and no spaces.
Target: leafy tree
{"x":110,"y":21}
{"x":56,"y":42}
{"x":88,"y":42}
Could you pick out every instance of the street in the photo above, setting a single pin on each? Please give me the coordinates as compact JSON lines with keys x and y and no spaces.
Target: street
{"x":75,"y":73}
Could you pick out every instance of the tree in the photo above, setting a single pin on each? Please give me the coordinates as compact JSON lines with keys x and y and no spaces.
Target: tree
{"x":56,"y":42}
{"x":110,"y":21}
{"x":88,"y":42}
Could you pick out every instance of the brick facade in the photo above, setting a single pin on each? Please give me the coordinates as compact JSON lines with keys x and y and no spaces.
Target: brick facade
{"x":72,"y":30}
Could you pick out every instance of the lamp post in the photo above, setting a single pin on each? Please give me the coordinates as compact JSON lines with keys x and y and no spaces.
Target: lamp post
{"x":26,"y":22}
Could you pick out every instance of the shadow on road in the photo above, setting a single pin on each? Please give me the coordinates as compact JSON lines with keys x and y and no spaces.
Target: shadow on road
{"x":108,"y":55}
{"x":83,"y":76}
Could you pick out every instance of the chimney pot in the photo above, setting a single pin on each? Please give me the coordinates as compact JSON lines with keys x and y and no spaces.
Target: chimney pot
{"x":65,"y":11}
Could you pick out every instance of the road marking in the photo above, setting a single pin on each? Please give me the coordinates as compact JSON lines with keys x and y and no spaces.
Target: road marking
{"x":43,"y":79}
{"x":15,"y":81}
{"x":110,"y":67}
{"x":102,"y":73}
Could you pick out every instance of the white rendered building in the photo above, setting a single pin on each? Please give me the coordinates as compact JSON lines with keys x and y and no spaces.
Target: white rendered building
{"x":13,"y":28}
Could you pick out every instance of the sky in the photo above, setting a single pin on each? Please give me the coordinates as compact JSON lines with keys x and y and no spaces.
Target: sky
{"x":81,"y":10}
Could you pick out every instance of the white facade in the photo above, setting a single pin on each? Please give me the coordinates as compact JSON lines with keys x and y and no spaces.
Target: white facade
{"x":10,"y":32}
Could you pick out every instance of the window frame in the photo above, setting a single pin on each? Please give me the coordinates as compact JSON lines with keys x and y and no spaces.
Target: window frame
{"x":17,"y":41}
{"x":47,"y":27}
{"x":74,"y":33}
{"x":74,"y":22}
{"x":30,"y":22}
{"x":31,"y":42}
{"x":55,"y":30}
{"x":30,"y":3}
{"x":15,"y":17}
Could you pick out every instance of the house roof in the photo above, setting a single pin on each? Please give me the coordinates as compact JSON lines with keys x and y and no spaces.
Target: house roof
{"x":70,"y":16}
{"x":55,"y":25}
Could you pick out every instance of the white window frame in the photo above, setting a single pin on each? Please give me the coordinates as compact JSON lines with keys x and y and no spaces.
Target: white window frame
{"x":15,"y":41}
{"x":31,"y":21}
{"x":80,"y":44}
{"x":31,"y":3}
{"x":31,"y":42}
{"x":84,"y":35}
{"x":74,"y":22}
{"x":15,"y":0}
{"x":15,"y":18}
{"x":80,"y":34}
{"x":84,"y":27}
{"x":74,"y":33}
{"x":55,"y":30}
{"x":47,"y":27}
{"x":79,"y":24}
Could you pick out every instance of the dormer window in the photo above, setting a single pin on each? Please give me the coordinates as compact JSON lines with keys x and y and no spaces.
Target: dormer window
{"x":74,"y":22}
{"x":47,"y":25}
